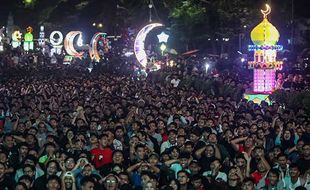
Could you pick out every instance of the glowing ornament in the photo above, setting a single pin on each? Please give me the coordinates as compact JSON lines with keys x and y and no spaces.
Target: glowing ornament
{"x":28,"y":39}
{"x":16,"y":38}
{"x":264,"y":37}
{"x":68,"y":44}
{"x":56,"y":40}
{"x":93,"y":50}
{"x":139,"y":48}
{"x":163,"y":37}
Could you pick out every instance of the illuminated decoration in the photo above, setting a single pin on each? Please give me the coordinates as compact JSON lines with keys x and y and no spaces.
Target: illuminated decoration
{"x":28,"y":39}
{"x":93,"y":50}
{"x":265,"y":38}
{"x":139,"y":43}
{"x":68,"y":44}
{"x":1,"y":38}
{"x":41,"y":39}
{"x":163,"y":37}
{"x":257,"y":98}
{"x":56,"y":42}
{"x":163,"y":47}
{"x":16,"y":39}
{"x":67,"y":60}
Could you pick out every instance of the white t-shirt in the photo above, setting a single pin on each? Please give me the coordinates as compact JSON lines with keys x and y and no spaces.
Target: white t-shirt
{"x":220,"y":176}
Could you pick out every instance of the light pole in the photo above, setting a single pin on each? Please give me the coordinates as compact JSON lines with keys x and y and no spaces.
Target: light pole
{"x":150,"y":11}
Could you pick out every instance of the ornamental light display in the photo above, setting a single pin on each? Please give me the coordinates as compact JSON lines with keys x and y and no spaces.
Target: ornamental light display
{"x":264,"y":37}
{"x":93,"y":50}
{"x":139,"y":48}
{"x":16,"y":39}
{"x":28,"y":39}
{"x":56,"y":40}
{"x":69,"y":46}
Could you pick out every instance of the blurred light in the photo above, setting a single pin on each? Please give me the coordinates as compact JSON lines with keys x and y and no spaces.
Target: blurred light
{"x":163,"y":47}
{"x":128,"y":54}
{"x":217,"y":39}
{"x":80,"y":41}
{"x":94,"y":24}
{"x":239,"y":52}
{"x":245,"y":26}
{"x":242,"y":60}
{"x":209,"y":39}
{"x":90,"y":69}
{"x":100,"y":25}
{"x":207,"y":66}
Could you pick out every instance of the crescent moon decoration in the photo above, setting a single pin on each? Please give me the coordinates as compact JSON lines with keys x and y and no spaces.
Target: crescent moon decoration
{"x":93,"y":50}
{"x":139,"y":43}
{"x":56,"y":41}
{"x":267,"y":11}
{"x":69,"y":44}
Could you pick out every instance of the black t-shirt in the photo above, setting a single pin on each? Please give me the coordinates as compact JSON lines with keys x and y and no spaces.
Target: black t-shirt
{"x":7,"y":183}
{"x":40,"y":183}
{"x":304,"y":165}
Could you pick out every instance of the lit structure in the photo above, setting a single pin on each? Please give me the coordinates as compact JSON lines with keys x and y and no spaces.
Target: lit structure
{"x":1,"y":38}
{"x":265,"y":37}
{"x":68,"y":44}
{"x":16,"y":38}
{"x":41,"y":39}
{"x":139,"y":43}
{"x":28,"y":39}
{"x":93,"y":50}
{"x":56,"y":42}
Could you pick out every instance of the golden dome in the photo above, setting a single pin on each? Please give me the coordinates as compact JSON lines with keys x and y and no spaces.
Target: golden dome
{"x":265,"y":34}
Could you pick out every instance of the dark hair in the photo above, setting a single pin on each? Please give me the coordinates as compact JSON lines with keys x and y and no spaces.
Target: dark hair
{"x":294,"y":165}
{"x":22,"y":184}
{"x":54,"y":177}
{"x":25,"y":177}
{"x":275,"y":171}
{"x":87,"y":179}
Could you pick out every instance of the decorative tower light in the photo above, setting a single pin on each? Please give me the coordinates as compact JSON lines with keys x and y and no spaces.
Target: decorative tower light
{"x":28,"y":39}
{"x":264,"y":37}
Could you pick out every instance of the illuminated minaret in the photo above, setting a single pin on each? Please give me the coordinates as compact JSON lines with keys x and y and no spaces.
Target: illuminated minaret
{"x":265,"y":37}
{"x":10,"y":26}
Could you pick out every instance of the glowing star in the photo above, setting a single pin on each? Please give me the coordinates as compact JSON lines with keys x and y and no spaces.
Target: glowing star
{"x":68,"y":44}
{"x":163,"y":37}
{"x":139,"y":43}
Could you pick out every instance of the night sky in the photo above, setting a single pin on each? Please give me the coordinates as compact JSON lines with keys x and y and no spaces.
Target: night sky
{"x":95,"y":9}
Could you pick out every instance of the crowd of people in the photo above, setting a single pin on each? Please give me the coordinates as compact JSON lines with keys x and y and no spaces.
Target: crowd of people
{"x":64,"y":128}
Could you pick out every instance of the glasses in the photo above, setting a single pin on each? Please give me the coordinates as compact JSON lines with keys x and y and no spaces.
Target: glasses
{"x":111,"y":181}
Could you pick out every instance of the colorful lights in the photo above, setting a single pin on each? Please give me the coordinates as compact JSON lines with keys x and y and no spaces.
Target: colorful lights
{"x":28,"y":39}
{"x":68,"y":44}
{"x":265,"y":37}
{"x":265,"y":47}
{"x":41,"y":39}
{"x":139,"y":43}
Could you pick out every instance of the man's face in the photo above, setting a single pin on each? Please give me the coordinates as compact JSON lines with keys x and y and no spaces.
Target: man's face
{"x":9,"y":141}
{"x":241,"y":162}
{"x":118,"y":158}
{"x":294,"y":172}
{"x":51,"y":169}
{"x":182,"y":178}
{"x":248,"y":186}
{"x":282,"y":161}
{"x":2,"y":170}
{"x":53,"y":185}
{"x":306,"y":151}
{"x":273,"y":179}
{"x":88,"y":186}
{"x":23,"y":150}
{"x":104,"y":141}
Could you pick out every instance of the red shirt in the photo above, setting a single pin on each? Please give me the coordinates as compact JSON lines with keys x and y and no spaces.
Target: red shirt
{"x":101,"y":157}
